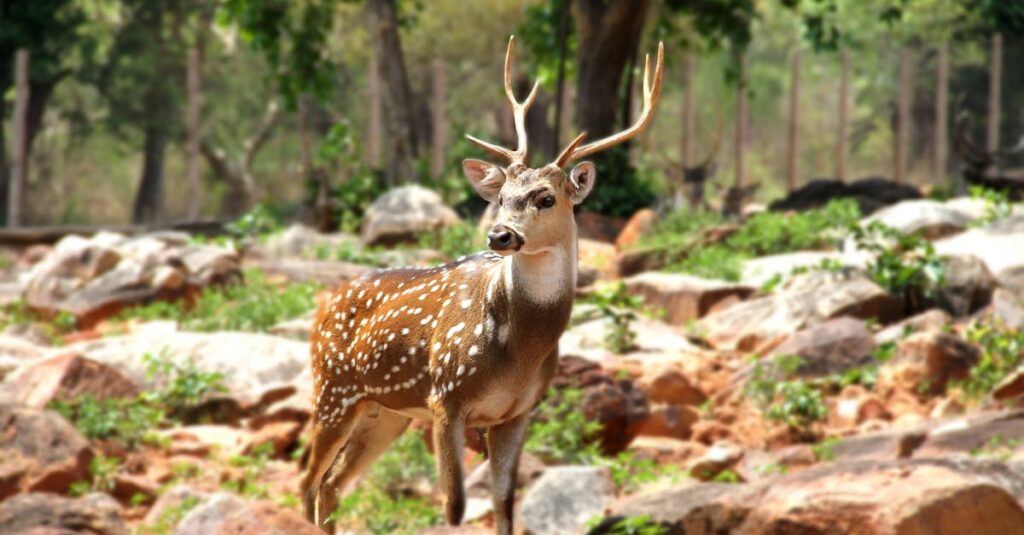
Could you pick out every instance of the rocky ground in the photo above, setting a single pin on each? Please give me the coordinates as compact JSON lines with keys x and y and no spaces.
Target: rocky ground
{"x":833,"y":390}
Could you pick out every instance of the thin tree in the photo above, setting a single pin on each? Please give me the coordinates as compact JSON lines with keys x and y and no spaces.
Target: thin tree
{"x":395,"y":91}
{"x":995,"y":82}
{"x":903,"y":118}
{"x":941,"y":115}
{"x":793,"y":137}
{"x":844,"y":116}
{"x":19,"y":156}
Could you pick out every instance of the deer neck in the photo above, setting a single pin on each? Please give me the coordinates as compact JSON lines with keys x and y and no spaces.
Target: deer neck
{"x":543,"y":279}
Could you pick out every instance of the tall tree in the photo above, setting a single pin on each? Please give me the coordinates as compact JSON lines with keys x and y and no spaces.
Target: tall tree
{"x":395,"y":90}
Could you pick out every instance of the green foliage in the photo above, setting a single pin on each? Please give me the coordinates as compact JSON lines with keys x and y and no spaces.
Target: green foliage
{"x":633,"y":525}
{"x":826,"y":449}
{"x":340,"y":152}
{"x":169,"y":518}
{"x":19,"y":313}
{"x":379,"y":505}
{"x":187,"y":386}
{"x":255,"y":305}
{"x":631,"y":190}
{"x":997,"y":448}
{"x":1002,"y":352}
{"x":252,"y":466}
{"x":614,"y":302}
{"x":905,"y":265}
{"x":679,"y":238}
{"x":796,"y":403}
{"x":540,"y":32}
{"x":128,"y":422}
{"x":454,"y":241}
{"x":560,"y":432}
{"x":997,"y":205}
{"x":726,"y":476}
{"x":630,"y":472}
{"x":101,"y":476}
{"x":255,"y":224}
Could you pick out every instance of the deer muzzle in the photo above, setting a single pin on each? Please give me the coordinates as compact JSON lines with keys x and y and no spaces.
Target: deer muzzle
{"x":503,"y":239}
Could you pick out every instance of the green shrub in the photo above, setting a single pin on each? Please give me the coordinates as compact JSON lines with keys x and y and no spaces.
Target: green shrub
{"x":256,"y":224}
{"x":187,"y":386}
{"x":560,"y":432}
{"x":1002,"y":352}
{"x":630,"y":190}
{"x":128,"y":422}
{"x":454,"y":241}
{"x":169,"y":518}
{"x":616,"y":304}
{"x":252,"y":465}
{"x":905,"y":265}
{"x":101,"y":476}
{"x":254,"y":305}
{"x":797,"y":403}
{"x":997,"y":205}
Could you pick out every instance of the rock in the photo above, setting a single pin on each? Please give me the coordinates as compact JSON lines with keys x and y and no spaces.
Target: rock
{"x":326,"y":272}
{"x":638,"y":226}
{"x":599,"y":227}
{"x":802,"y":301}
{"x":96,"y":277}
{"x":50,"y":451}
{"x":94,"y":514}
{"x":830,"y":347}
{"x":926,"y":362}
{"x":1008,"y":308}
{"x":403,"y":213}
{"x":297,"y":328}
{"x":704,"y":509}
{"x":565,"y":498}
{"x":596,"y":261}
{"x":931,"y":219}
{"x":988,"y":435}
{"x":718,"y":458}
{"x":66,"y":377}
{"x":855,"y":406}
{"x":173,"y":502}
{"x":479,"y":482}
{"x":588,"y":337}
{"x":15,"y":351}
{"x":283,"y":436}
{"x":1012,"y":279}
{"x":871,"y":194}
{"x":224,"y":513}
{"x":968,"y":285}
{"x":633,"y":261}
{"x":258,"y":369}
{"x":757,"y":272}
{"x":971,"y":208}
{"x":684,"y":297}
{"x":129,"y":487}
{"x":930,"y":320}
{"x":1011,"y":386}
{"x":668,"y":383}
{"x":997,"y":245}
{"x":666,"y":450}
{"x":300,"y":240}
{"x":667,"y":420}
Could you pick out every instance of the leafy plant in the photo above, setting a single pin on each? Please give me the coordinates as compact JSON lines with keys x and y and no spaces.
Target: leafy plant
{"x":187,"y":386}
{"x":629,"y":472}
{"x":128,"y":422}
{"x":616,"y":304}
{"x":997,"y":205}
{"x":453,"y":241}
{"x":169,"y":518}
{"x":1002,"y":352}
{"x":997,"y":447}
{"x":252,"y":466}
{"x":797,"y":403}
{"x":255,"y":224}
{"x":101,"y":476}
{"x":905,"y":265}
{"x":632,"y":525}
{"x":560,"y":432}
{"x":826,"y":449}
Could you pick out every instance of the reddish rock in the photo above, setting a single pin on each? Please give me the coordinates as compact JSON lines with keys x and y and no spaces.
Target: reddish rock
{"x":674,"y":421}
{"x":50,"y":450}
{"x":718,"y":458}
{"x":929,"y":320}
{"x":67,"y":377}
{"x":926,"y":362}
{"x":669,"y":384}
{"x":710,"y":431}
{"x":684,"y":298}
{"x":282,"y":435}
{"x":128,"y":486}
{"x":830,"y":347}
{"x":638,"y":226}
{"x":599,"y":227}
{"x":667,"y":450}
{"x":45,"y":513}
{"x":1012,"y":386}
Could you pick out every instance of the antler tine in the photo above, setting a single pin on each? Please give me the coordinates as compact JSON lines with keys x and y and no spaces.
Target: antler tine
{"x":563,"y":158}
{"x":652,"y":91}
{"x":519,"y":110}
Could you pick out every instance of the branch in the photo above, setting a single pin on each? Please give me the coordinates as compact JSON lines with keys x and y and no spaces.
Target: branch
{"x":255,"y":142}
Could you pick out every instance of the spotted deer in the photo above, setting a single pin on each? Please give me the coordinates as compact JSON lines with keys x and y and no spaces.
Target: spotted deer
{"x":469,"y":343}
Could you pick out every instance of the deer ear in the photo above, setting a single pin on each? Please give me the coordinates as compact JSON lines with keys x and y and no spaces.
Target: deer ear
{"x":581,"y":181}
{"x":487,"y":179}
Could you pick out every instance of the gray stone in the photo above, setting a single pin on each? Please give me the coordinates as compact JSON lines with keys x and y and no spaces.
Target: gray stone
{"x":403,"y":213}
{"x":831,"y":347}
{"x":930,"y":320}
{"x":684,"y":297}
{"x":565,"y":498}
{"x":94,"y":514}
{"x":997,"y":245}
{"x":758,"y":271}
{"x":968,"y":285}
{"x":930,"y":218}
{"x":210,"y":514}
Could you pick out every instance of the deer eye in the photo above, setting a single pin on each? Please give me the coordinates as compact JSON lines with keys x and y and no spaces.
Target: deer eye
{"x":546,"y":202}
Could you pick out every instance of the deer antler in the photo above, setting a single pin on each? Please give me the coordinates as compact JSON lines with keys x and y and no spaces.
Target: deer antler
{"x":518,"y":110}
{"x":651,"y":94}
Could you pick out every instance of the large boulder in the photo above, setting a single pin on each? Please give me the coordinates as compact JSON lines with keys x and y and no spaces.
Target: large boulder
{"x":684,"y":297}
{"x":227,"y":514}
{"x":44,"y":513}
{"x":926,"y":362}
{"x":968,"y":285}
{"x":258,"y":369}
{"x":997,"y":245}
{"x":802,"y":301}
{"x":831,"y":347}
{"x":759,"y":271}
{"x":66,"y":377}
{"x":565,"y":498}
{"x":931,"y":219}
{"x":40,"y":451}
{"x":300,"y":240}
{"x":403,"y":213}
{"x":95,"y":277}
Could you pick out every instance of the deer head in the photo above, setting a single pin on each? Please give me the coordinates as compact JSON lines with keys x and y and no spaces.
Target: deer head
{"x":536,"y":204}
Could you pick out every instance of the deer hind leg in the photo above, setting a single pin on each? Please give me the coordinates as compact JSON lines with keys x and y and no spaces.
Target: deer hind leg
{"x":368,"y":441}
{"x":449,"y":437}
{"x":325,"y":441}
{"x":504,"y":445}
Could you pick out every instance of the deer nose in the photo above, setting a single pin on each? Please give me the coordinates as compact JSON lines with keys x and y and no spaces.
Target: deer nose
{"x":502,"y":238}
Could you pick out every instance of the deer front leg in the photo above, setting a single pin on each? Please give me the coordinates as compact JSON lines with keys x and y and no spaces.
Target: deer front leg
{"x":504,"y":446}
{"x":448,"y":446}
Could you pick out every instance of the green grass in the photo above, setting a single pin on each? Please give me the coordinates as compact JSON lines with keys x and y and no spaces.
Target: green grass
{"x":1002,"y":352}
{"x":797,"y":403}
{"x":254,"y":305}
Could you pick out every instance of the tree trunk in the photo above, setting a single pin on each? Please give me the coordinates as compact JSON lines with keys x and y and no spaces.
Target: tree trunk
{"x":439,"y":122}
{"x":563,"y":51}
{"x":844,"y":116}
{"x":741,"y":120}
{"x":941,"y":116}
{"x":193,"y":131}
{"x":689,"y":123}
{"x":995,"y":82}
{"x":608,"y":33}
{"x":150,"y":196}
{"x":19,"y":152}
{"x":4,"y":170}
{"x":395,"y":91}
{"x":793,"y":144}
{"x":903,"y":118}
{"x":373,"y":131}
